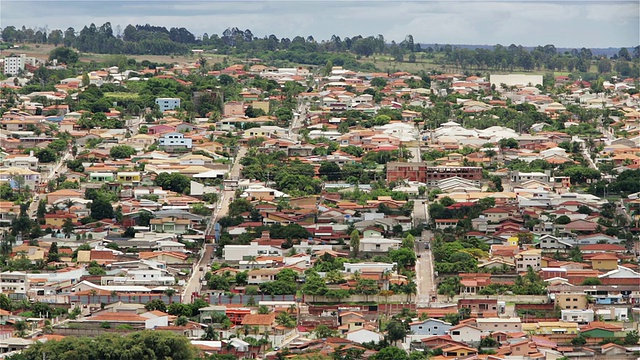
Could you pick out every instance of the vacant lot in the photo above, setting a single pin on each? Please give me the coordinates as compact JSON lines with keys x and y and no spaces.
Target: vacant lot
{"x":42,"y":51}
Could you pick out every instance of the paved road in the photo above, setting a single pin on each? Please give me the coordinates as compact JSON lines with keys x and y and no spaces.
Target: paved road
{"x":58,"y":168}
{"x":194,"y":284}
{"x":424,"y":270}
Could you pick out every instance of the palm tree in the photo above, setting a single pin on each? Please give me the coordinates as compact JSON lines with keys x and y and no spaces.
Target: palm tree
{"x":21,"y":328}
{"x":170,"y":292}
{"x":68,"y":203}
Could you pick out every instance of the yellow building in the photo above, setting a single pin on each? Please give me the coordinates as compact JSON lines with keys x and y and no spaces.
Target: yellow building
{"x":128,"y":176}
{"x":57,"y":220}
{"x":571,"y":301}
{"x":513,"y":241}
{"x":551,"y":327}
{"x":604,"y":262}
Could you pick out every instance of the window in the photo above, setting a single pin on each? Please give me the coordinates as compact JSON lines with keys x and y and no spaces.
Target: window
{"x":455,"y":332}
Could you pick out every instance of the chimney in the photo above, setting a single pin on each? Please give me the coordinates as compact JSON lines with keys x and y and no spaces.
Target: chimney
{"x":31,"y":153}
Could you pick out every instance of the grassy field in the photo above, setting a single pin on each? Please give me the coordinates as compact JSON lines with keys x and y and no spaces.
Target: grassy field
{"x":121,"y":95}
{"x":41,"y":51}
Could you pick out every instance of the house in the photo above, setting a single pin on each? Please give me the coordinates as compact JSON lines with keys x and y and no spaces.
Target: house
{"x":480,"y":307}
{"x":165,"y":104}
{"x":63,"y":194}
{"x":58,"y":218}
{"x":466,"y":333}
{"x":175,"y":140}
{"x":606,"y":262}
{"x":261,"y":276}
{"x":582,"y":316}
{"x":547,"y":242}
{"x":243,"y":252}
{"x":528,"y":259}
{"x":458,"y":351}
{"x":169,"y":246}
{"x":375,"y":244}
{"x":170,"y":225}
{"x":362,"y":336}
{"x":571,"y":300}
{"x":430,"y":327}
{"x":499,"y":324}
{"x":261,"y":322}
{"x":14,"y":284}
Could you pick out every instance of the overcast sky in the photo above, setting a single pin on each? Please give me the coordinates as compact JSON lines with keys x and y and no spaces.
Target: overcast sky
{"x":564,"y":23}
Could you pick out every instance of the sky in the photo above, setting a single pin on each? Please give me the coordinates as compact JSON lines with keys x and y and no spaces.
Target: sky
{"x":564,"y":23}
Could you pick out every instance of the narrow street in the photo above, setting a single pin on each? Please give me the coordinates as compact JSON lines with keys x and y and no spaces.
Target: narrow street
{"x":424,"y":270}
{"x":194,"y":284}
{"x":56,"y":169}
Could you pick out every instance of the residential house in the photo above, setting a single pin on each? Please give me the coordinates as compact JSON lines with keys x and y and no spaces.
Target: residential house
{"x":378,"y":244}
{"x":605,"y":262}
{"x":362,"y":336}
{"x":499,"y":324}
{"x":262,"y":322}
{"x":466,"y":333}
{"x":165,"y":104}
{"x":170,"y":225}
{"x":529,"y":258}
{"x":175,"y":141}
{"x":430,"y":327}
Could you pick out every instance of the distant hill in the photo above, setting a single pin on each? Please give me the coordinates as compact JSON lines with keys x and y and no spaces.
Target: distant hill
{"x":595,"y":51}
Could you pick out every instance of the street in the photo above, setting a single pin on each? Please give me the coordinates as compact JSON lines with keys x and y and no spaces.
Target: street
{"x":424,"y":270}
{"x":194,"y":283}
{"x":56,"y":169}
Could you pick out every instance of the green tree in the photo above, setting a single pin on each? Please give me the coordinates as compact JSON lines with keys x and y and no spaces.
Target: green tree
{"x":68,"y":227}
{"x":156,"y":304}
{"x":101,"y":208}
{"x":175,"y":182}
{"x":354,"y":242}
{"x":122,"y":152}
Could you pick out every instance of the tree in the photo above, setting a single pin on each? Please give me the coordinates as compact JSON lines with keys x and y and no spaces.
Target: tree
{"x":182,"y":321}
{"x":5,"y":302}
{"x":64,"y":55}
{"x":101,"y":208}
{"x":137,"y":345}
{"x":330,"y":170}
{"x":68,"y":227}
{"x":53,"y":255}
{"x":156,"y":304}
{"x":631,"y":337}
{"x":390,"y":353}
{"x":175,"y":182}
{"x":122,"y":152}
{"x":354,"y":242}
{"x":323,"y":332}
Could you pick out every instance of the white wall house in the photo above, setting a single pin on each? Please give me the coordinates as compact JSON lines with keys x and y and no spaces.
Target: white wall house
{"x":241,"y":252}
{"x":168,"y":103}
{"x":175,"y":140}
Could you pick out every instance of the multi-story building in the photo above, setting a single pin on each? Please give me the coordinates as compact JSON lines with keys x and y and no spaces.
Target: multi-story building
{"x":14,"y":64}
{"x":175,"y":140}
{"x":412,"y":171}
{"x":168,"y":103}
{"x":14,"y":284}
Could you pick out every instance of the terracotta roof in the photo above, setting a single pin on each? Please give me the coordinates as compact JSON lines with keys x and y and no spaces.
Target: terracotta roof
{"x":118,"y":317}
{"x":259,"y":319}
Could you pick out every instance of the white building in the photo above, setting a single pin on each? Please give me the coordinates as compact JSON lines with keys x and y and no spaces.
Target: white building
{"x":14,"y":64}
{"x":241,"y":252}
{"x":581,"y":316}
{"x":175,"y":140}
{"x":368,"y":267}
{"x":168,"y":103}
{"x":14,"y":282}
{"x":515,"y":80}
